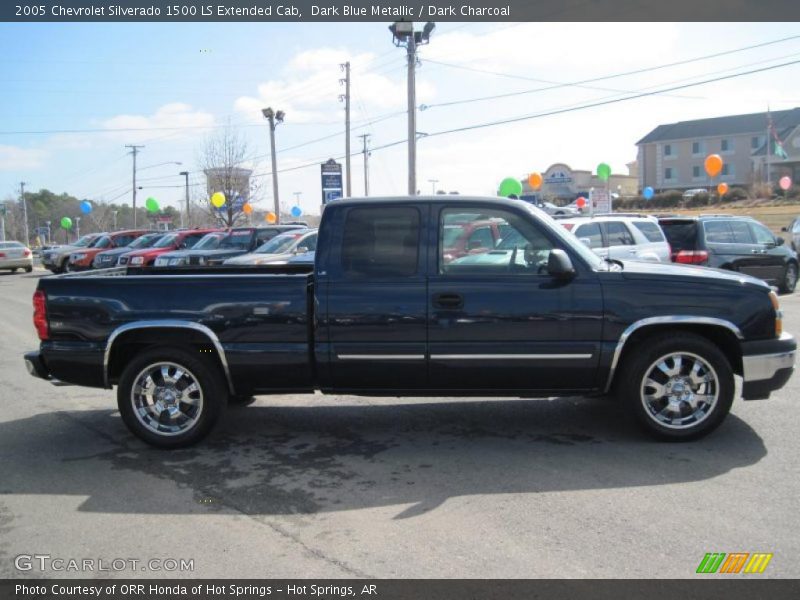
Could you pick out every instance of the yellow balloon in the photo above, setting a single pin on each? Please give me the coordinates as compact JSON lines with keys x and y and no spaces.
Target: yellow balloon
{"x":270,"y":217}
{"x":218,"y":199}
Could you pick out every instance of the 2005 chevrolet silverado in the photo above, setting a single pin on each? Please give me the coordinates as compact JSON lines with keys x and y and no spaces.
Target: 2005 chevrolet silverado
{"x":387,"y":310}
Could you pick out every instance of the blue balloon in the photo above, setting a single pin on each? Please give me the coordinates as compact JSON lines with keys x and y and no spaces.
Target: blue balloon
{"x":86,"y":207}
{"x":648,"y":193}
{"x":296,"y":211}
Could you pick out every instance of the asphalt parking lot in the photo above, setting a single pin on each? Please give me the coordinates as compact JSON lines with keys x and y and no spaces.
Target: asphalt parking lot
{"x":313,"y":486}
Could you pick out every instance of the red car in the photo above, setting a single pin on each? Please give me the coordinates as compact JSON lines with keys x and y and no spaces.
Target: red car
{"x":82,"y":259}
{"x":177,"y":240}
{"x":461,"y":238}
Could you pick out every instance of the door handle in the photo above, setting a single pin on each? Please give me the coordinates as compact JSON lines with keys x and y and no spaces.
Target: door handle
{"x":448,"y":301}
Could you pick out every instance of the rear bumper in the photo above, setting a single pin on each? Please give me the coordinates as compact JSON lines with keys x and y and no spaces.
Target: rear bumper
{"x":16,"y":263}
{"x":37,"y":368}
{"x":767,"y":365}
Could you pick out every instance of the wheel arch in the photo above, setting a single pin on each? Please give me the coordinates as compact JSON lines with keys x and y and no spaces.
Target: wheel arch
{"x":724,"y":334}
{"x":129,"y":339}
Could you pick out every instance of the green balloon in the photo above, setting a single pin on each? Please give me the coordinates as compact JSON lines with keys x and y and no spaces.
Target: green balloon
{"x":509,"y":186}
{"x":603,"y":172}
{"x":66,"y":223}
{"x":151,"y":204}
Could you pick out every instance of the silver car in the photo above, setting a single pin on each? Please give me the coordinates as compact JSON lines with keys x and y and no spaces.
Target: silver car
{"x":279,"y":248}
{"x":621,"y":236}
{"x":15,"y":255}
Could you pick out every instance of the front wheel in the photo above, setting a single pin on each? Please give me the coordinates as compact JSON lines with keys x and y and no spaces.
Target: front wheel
{"x":678,"y":386}
{"x":789,"y":279}
{"x":171,"y":398}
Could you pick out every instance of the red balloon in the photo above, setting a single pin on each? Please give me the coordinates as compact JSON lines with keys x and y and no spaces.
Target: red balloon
{"x":580,"y":202}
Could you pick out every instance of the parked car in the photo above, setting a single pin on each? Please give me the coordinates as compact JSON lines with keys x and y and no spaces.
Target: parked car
{"x":382,"y":312}
{"x":237,"y":241}
{"x":176,"y":240}
{"x":552,"y":209}
{"x":688,"y":194}
{"x":734,"y":243}
{"x":621,"y":237}
{"x":15,"y":255}
{"x":462,"y":236}
{"x":279,"y":248}
{"x":82,"y":260}
{"x":177,"y":258}
{"x":56,"y":259}
{"x":794,"y":231}
{"x":110,"y":258}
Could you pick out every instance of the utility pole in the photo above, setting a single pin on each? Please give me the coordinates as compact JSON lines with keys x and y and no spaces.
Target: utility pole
{"x":346,"y":99}
{"x":404,"y":35}
{"x":2,"y":222}
{"x":186,"y":175}
{"x":433,"y":183}
{"x":134,"y":152}
{"x":78,"y":226}
{"x":24,"y":210}
{"x":275,"y":118}
{"x":365,"y":152}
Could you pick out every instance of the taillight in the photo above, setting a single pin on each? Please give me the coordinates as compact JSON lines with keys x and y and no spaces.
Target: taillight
{"x":692,"y":257}
{"x":40,"y":315}
{"x":26,"y":253}
{"x":568,"y":226}
{"x":773,"y":297}
{"x":2,"y":254}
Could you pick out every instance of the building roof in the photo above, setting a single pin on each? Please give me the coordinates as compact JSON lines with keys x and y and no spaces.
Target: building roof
{"x":718,"y":126}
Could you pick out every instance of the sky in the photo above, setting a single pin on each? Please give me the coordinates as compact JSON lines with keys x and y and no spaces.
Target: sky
{"x":73,"y":95}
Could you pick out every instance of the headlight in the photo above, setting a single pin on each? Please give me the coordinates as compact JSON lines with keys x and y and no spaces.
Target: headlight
{"x":137,"y":260}
{"x":773,"y":297}
{"x":75,"y":257}
{"x":201,"y":261}
{"x":162,"y":262}
{"x":175,"y":261}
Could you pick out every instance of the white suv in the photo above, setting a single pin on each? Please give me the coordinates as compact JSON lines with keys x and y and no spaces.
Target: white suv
{"x":621,"y":236}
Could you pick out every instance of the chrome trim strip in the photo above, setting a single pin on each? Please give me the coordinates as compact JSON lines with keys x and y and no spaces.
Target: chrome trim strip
{"x":380,"y":356}
{"x":511,"y":356}
{"x":167,"y":324}
{"x":664,"y":320}
{"x":759,"y":367}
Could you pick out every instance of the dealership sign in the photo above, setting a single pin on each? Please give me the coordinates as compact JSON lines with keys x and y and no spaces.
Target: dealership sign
{"x":331,"y":181}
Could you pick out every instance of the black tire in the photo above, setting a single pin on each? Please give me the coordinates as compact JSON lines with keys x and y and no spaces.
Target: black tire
{"x":789,"y":281}
{"x":641,"y":362}
{"x":201,"y":370}
{"x":14,"y":270}
{"x":28,"y":269}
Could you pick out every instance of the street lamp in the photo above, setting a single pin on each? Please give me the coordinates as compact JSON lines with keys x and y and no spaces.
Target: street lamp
{"x":403,"y":34}
{"x":433,"y":183}
{"x":186,"y":175}
{"x":275,"y":118}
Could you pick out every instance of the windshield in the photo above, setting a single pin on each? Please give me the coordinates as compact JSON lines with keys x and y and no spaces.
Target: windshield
{"x":84,"y":241}
{"x":101,"y":242}
{"x":210,"y":242}
{"x":166,"y":241}
{"x":237,"y":239}
{"x":145,"y":241}
{"x":570,"y":240}
{"x":278,"y":245}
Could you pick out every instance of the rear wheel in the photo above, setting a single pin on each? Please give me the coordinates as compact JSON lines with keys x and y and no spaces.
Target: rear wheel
{"x":789,"y":282}
{"x":171,"y":398}
{"x":678,"y":386}
{"x":28,"y":269}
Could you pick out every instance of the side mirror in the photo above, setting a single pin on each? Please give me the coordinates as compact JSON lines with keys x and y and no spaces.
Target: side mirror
{"x":559,"y":264}
{"x":779,"y":241}
{"x":586,"y":241}
{"x":784,"y":229}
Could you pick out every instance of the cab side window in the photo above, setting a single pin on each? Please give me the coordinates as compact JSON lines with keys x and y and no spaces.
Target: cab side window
{"x":590,"y":232}
{"x":762,"y":234}
{"x":618,"y":234}
{"x":381,"y":242}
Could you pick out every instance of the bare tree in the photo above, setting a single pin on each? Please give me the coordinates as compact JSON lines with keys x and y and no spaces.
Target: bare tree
{"x":223,"y":161}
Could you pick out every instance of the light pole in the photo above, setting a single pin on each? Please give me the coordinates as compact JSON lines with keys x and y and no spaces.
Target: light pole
{"x":275,"y":118}
{"x":433,"y":183}
{"x":186,"y":176}
{"x":78,"y":226}
{"x":404,"y":35}
{"x":115,"y":219}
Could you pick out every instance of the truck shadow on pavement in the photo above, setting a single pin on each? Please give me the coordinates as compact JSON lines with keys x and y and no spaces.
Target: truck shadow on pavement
{"x":268,"y":460}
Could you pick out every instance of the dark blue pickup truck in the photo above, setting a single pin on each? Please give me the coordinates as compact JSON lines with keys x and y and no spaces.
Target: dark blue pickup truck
{"x":387,"y":309}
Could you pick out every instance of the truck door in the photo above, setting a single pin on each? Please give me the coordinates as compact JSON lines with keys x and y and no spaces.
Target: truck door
{"x":376,"y":298}
{"x":498,"y":321}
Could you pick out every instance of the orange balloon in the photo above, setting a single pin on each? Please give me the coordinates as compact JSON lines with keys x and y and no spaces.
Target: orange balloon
{"x":580,"y":202}
{"x":270,"y":217}
{"x":535,"y":180}
{"x":247,"y":209}
{"x":713,"y":165}
{"x":722,"y":189}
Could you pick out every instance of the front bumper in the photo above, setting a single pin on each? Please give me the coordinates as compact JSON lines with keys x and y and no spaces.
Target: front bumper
{"x":767,"y":365}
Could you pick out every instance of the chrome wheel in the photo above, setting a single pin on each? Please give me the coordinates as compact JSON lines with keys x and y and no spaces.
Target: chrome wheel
{"x":167,"y":398}
{"x":790,"y":279}
{"x":680,"y":390}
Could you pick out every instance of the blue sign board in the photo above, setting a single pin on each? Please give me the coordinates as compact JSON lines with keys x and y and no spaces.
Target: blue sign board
{"x":331,"y":181}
